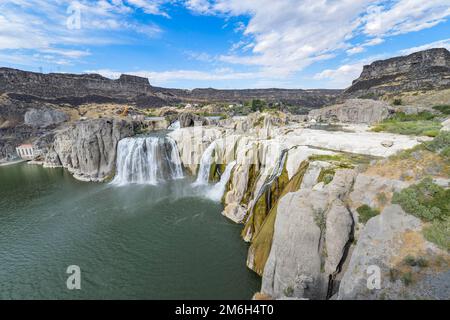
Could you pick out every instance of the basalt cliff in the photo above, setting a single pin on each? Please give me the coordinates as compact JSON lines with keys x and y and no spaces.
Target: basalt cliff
{"x":419,"y":71}
{"x":75,"y":90}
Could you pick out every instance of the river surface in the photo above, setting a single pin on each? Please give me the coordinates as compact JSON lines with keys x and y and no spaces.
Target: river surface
{"x":131,"y":242}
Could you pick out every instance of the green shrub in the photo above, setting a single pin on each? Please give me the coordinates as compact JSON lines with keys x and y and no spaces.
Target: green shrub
{"x":257,"y":105}
{"x":425,"y":200}
{"x":439,"y":233}
{"x":424,"y":115}
{"x":445,"y":108}
{"x":431,"y":133}
{"x":365,"y":213}
{"x":289,"y":291}
{"x":397,"y":102}
{"x":327,"y":178}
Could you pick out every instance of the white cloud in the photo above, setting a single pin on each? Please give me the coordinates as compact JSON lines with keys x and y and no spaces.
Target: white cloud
{"x":437,"y":44}
{"x":341,"y":77}
{"x":355,"y":50}
{"x":373,"y":42}
{"x":73,"y":54}
{"x":41,"y":25}
{"x":150,"y":6}
{"x":288,"y":35}
{"x":362,"y":47}
{"x":404,"y":16}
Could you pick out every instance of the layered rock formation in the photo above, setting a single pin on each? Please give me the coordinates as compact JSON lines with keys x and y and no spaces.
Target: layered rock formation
{"x":87,"y":149}
{"x":353,"y":111}
{"x":423,"y":70}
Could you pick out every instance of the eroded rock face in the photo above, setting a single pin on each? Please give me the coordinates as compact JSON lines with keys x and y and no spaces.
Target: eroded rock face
{"x":88,"y":148}
{"x":423,"y":70}
{"x":353,"y":111}
{"x":299,"y":265}
{"x":372,"y":190}
{"x":44,"y":117}
{"x":379,"y":243}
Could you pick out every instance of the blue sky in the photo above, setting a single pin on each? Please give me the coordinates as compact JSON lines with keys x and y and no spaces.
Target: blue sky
{"x":219,"y":43}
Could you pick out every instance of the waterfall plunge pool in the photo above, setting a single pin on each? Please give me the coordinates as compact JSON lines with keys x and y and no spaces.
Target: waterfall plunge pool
{"x":131,"y":242}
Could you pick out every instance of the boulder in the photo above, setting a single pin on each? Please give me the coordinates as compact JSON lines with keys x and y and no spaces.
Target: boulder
{"x":188,"y":119}
{"x":353,"y":111}
{"x":46,"y":117}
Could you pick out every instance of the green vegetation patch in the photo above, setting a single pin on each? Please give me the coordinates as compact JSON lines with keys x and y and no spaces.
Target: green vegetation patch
{"x":438,"y":232}
{"x":429,"y":202}
{"x":425,"y":200}
{"x":365,"y":213}
{"x":421,"y":124}
{"x":444,"y":108}
{"x":440,"y":144}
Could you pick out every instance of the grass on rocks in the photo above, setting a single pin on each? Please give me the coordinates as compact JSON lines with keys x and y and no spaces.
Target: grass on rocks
{"x":438,"y":232}
{"x":429,"y":202}
{"x":421,"y":124}
{"x":428,"y":158}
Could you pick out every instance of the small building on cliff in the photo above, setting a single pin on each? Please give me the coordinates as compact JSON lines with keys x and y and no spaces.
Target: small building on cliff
{"x":25,"y":151}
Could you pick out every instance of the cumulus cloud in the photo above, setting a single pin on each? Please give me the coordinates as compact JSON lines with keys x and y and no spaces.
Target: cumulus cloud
{"x":288,"y":35}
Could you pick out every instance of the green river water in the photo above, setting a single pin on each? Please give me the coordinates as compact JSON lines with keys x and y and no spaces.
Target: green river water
{"x":131,"y":242}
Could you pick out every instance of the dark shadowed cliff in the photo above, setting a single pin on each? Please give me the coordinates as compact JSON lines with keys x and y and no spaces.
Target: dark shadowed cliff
{"x":423,"y":70}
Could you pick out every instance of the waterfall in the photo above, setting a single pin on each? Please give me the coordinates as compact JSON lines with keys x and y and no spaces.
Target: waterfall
{"x":147,"y":160}
{"x":218,"y":189}
{"x":175,"y":125}
{"x":205,"y":166}
{"x":175,"y":160}
{"x":270,"y":179}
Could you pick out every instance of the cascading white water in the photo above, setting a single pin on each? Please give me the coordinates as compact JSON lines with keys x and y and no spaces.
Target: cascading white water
{"x":175,"y":167}
{"x":147,"y":160}
{"x":216,"y":192}
{"x":174,"y":126}
{"x":205,"y":166}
